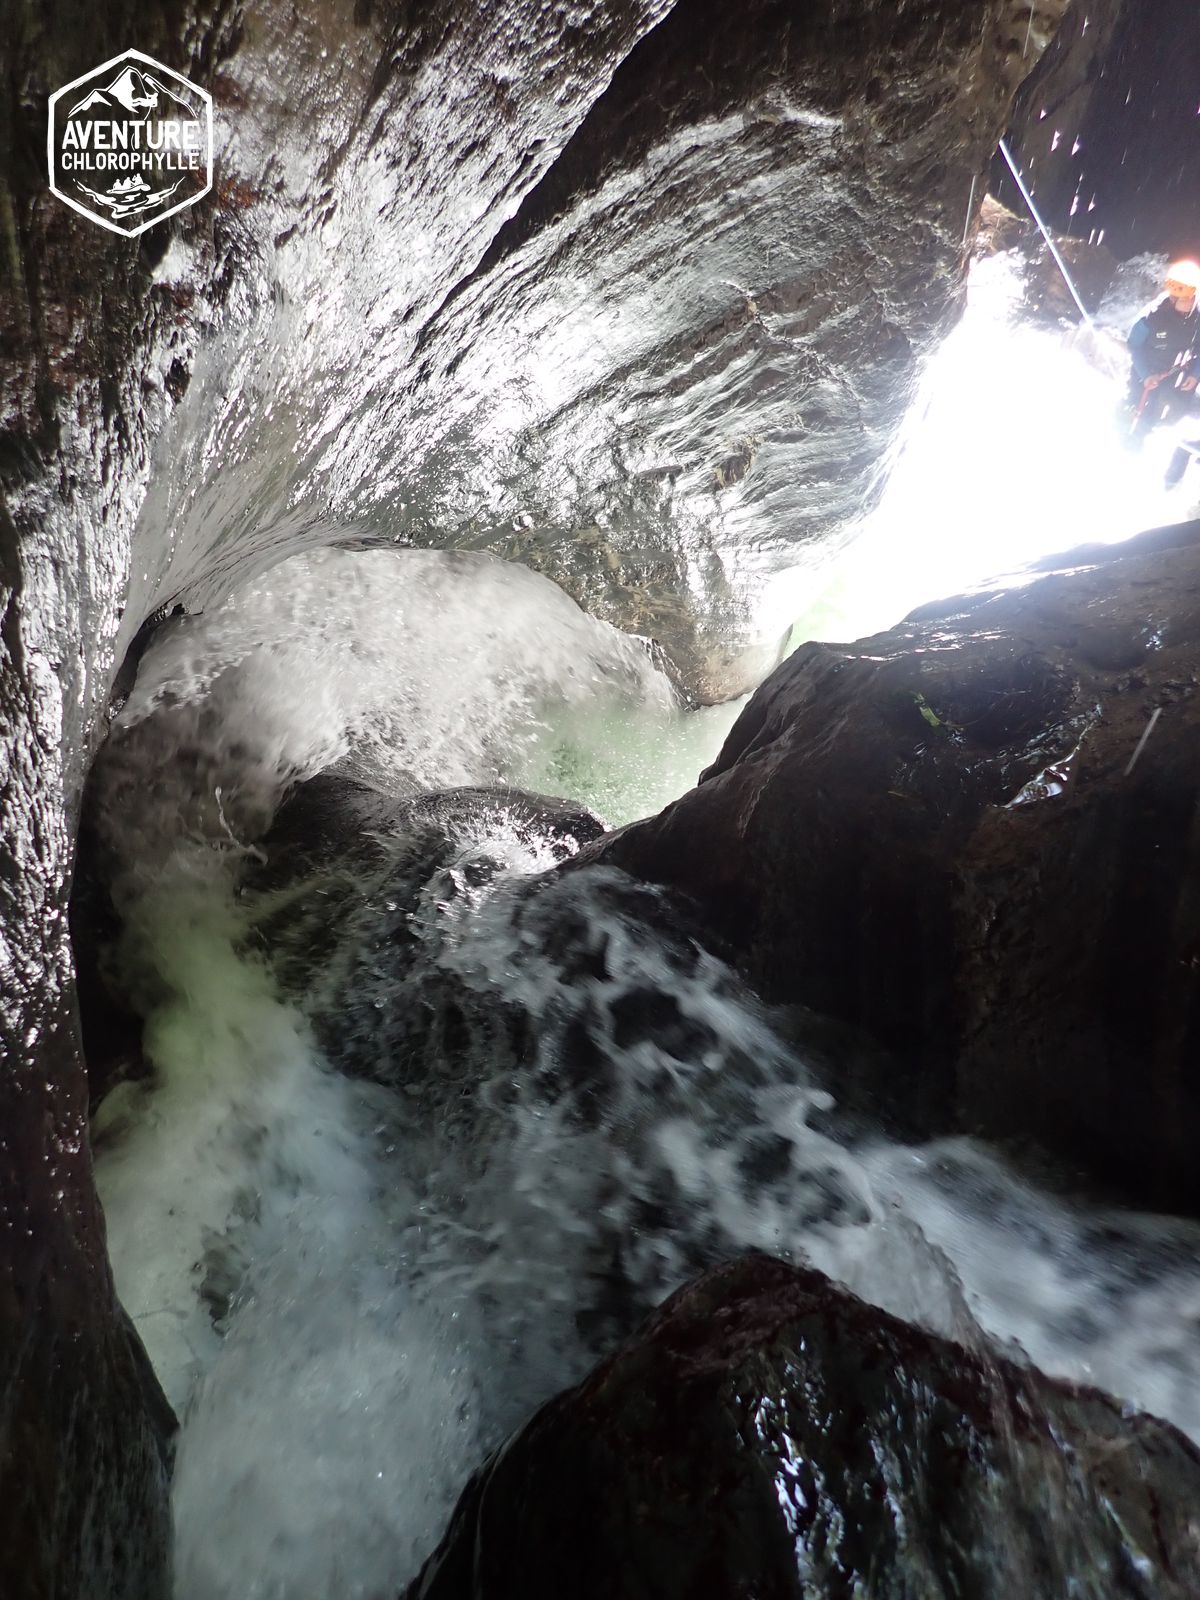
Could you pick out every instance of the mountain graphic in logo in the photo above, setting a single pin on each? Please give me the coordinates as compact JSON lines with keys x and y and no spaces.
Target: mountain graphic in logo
{"x":132,"y":91}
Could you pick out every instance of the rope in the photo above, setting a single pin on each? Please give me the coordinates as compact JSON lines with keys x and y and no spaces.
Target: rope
{"x":1053,"y":248}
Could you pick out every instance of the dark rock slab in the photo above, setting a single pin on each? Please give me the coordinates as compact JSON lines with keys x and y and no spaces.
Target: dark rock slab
{"x":85,"y":1447}
{"x":335,"y":821}
{"x":345,"y":870}
{"x":1113,"y":92}
{"x":953,"y":836}
{"x":769,"y":1434}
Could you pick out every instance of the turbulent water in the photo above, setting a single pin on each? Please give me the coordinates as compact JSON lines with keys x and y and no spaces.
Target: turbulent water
{"x":353,"y":1283}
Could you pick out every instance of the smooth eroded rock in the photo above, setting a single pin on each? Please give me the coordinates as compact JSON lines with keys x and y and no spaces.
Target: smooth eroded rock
{"x":768,"y":1434}
{"x":355,"y":887}
{"x":977,"y":836}
{"x":334,"y":820}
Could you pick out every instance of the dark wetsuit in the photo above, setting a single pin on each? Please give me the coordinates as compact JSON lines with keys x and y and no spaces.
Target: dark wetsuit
{"x":1163,"y":341}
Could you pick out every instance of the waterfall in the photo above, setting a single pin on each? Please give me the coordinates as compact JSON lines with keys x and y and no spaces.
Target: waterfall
{"x":428,"y":1130}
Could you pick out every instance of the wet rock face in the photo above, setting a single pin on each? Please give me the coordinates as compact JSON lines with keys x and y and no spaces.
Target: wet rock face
{"x":563,"y":1059}
{"x":87,"y":1430}
{"x":1092,"y":268}
{"x":355,"y":899}
{"x":1105,"y":126}
{"x":1051,"y":112}
{"x":593,"y":287}
{"x":768,"y":1433}
{"x":87,"y":342}
{"x":953,"y":835}
{"x":633,"y":296}
{"x":335,"y":822}
{"x":346,"y":871}
{"x":711,"y":400}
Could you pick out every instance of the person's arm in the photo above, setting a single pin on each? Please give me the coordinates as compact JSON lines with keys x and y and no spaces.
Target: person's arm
{"x":1191,"y":362}
{"x":1141,"y":350}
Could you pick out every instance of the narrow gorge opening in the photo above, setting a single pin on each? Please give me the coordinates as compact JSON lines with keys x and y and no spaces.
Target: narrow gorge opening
{"x":627,"y":799}
{"x":418,"y":1123}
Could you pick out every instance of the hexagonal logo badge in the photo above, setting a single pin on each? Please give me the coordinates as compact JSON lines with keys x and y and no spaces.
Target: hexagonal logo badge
{"x":130,"y":143}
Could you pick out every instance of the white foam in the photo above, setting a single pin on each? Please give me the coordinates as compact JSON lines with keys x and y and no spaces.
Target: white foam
{"x":331,"y":1408}
{"x":410,"y":1290}
{"x":324,"y":1450}
{"x":325,"y":1432}
{"x":239,"y":1122}
{"x":434,"y":667}
{"x":394,"y":1292}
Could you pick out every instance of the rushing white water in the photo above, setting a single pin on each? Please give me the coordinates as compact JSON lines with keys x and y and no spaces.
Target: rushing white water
{"x":353,"y":1286}
{"x":247,"y":1173}
{"x":424,"y":669}
{"x":410,"y":1275}
{"x":249,"y":1169}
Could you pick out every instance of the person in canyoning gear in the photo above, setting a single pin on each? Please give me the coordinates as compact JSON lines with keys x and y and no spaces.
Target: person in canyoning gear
{"x":1164,"y":352}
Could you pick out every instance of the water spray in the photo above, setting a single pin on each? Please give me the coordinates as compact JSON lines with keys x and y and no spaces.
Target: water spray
{"x":1046,"y":234}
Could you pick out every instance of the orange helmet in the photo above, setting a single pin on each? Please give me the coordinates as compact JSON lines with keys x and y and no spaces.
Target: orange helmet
{"x":1183,"y":279}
